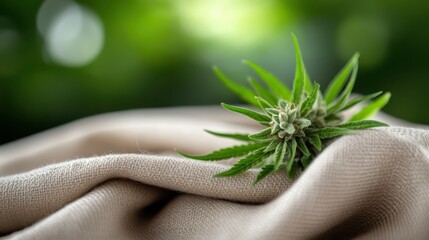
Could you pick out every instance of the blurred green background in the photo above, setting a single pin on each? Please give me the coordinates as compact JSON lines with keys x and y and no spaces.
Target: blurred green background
{"x":61,"y":60}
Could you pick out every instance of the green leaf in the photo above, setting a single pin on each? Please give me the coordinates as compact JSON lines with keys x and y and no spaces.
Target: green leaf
{"x":300,"y":72}
{"x":273,"y":144}
{"x":237,"y":136}
{"x":346,"y":93}
{"x":266,"y":170}
{"x":370,"y":109}
{"x":308,"y":86}
{"x":330,"y":132}
{"x":333,"y":119}
{"x":358,"y":100}
{"x":265,"y":123}
{"x":262,"y":92}
{"x":263,"y":104}
{"x":306,"y":160}
{"x":340,"y":80}
{"x":282,"y":103}
{"x":225,"y":153}
{"x":278,"y":88}
{"x":250,"y":113}
{"x":315,"y":141}
{"x":272,"y":111}
{"x":303,"y":122}
{"x":303,"y":147}
{"x":243,"y":92}
{"x":261,"y":135}
{"x":308,"y":104}
{"x":279,"y":154}
{"x":320,"y":102}
{"x":245,"y":163}
{"x":362,"y":124}
{"x":291,"y":164}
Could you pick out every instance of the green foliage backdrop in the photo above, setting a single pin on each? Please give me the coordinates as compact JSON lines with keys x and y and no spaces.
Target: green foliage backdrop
{"x":159,"y":53}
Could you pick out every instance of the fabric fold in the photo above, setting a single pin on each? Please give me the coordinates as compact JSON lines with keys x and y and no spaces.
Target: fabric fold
{"x":116,"y":176}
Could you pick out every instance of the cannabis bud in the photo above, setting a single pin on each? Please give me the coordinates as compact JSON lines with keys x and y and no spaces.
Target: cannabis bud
{"x":297,"y":123}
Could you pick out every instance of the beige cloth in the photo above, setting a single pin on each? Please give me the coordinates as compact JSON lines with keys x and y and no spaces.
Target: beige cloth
{"x":125,"y":182}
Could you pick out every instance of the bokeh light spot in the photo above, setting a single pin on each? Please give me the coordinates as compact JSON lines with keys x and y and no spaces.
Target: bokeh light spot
{"x":238,"y":22}
{"x":73,"y":34}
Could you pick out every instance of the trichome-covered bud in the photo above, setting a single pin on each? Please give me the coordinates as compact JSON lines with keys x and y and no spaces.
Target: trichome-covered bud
{"x":286,"y":121}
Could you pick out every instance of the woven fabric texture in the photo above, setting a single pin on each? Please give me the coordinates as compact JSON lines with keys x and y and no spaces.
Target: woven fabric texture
{"x":116,"y":176}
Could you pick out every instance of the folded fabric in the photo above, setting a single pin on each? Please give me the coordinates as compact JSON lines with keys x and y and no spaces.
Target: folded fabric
{"x":116,"y":176}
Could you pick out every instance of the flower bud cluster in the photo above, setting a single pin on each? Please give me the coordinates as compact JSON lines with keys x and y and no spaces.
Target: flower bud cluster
{"x":286,"y":121}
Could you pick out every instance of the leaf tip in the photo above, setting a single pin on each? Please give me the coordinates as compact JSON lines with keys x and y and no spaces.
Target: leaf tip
{"x":182,"y":153}
{"x":387,"y":95}
{"x":356,"y":55}
{"x":220,"y":175}
{"x":196,"y":157}
{"x":295,"y":42}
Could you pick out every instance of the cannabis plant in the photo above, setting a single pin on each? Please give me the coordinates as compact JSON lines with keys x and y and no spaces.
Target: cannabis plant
{"x":297,"y":124}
